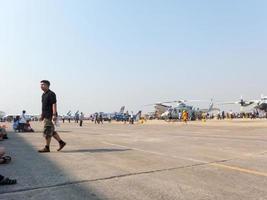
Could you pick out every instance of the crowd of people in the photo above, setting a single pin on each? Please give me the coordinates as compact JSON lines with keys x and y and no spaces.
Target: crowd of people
{"x":237,"y":115}
{"x":184,"y":116}
{"x":97,"y":118}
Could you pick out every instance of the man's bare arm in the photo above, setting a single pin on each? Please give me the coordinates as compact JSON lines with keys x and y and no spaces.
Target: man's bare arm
{"x":54,"y":107}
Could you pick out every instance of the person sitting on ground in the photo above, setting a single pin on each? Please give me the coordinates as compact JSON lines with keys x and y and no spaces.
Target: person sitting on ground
{"x":3,"y":133}
{"x":4,"y":159}
{"x":7,"y":181}
{"x":16,"y":123}
{"x":27,"y":127}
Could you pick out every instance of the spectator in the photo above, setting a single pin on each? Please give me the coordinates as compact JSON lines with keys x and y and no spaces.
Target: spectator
{"x":4,"y":159}
{"x":22,"y":121}
{"x":81,"y":119}
{"x":16,"y":124}
{"x":3,"y":133}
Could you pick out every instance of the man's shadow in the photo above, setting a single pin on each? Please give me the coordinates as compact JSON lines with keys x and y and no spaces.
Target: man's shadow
{"x":58,"y":131}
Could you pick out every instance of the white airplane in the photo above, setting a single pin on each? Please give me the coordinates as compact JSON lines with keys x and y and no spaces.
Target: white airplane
{"x":210,"y":109}
{"x":260,"y":104}
{"x":2,"y":114}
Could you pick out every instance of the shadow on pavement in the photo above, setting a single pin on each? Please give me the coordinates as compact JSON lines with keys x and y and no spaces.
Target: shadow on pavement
{"x":42,"y":132}
{"x":39,"y":177}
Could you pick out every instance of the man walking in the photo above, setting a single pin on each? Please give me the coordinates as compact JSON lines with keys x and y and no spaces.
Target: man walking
{"x":81,"y":119}
{"x":49,"y":114}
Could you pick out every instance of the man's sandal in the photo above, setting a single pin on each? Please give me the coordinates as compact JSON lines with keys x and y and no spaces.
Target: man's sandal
{"x":7,"y":181}
{"x":6,"y":159}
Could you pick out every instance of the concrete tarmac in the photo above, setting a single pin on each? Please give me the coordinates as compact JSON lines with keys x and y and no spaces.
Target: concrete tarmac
{"x":153,"y":161}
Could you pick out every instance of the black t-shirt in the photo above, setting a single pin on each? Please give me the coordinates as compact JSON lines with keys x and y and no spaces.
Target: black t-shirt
{"x":48,"y":99}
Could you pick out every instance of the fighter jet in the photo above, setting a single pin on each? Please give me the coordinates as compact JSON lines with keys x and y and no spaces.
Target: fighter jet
{"x":113,"y":115}
{"x":69,"y":115}
{"x":126,"y":116}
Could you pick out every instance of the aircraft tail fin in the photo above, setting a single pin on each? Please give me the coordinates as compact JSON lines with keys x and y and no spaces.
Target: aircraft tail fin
{"x":211,"y":106}
{"x":122,"y":110}
{"x":138,"y":115}
{"x":69,"y":113}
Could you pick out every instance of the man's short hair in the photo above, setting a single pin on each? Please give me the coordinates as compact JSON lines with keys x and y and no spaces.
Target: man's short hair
{"x":46,"y":82}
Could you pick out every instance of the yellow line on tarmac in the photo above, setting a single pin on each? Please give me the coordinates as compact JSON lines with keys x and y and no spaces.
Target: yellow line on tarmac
{"x":248,"y":171}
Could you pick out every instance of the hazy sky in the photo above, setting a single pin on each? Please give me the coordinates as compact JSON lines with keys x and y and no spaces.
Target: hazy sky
{"x":101,"y":54}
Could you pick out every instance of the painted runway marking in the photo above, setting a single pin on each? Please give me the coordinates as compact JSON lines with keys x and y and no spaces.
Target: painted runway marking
{"x":248,"y":171}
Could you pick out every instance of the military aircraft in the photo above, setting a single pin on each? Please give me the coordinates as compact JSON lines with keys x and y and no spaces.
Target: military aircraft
{"x":69,"y":115}
{"x":126,"y":116}
{"x":2,"y":114}
{"x":113,"y":115}
{"x":260,"y":104}
{"x":160,"y":108}
{"x":167,"y":111}
{"x":118,"y":115}
{"x":173,"y":111}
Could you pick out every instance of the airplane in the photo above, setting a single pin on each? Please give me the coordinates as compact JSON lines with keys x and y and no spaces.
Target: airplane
{"x":138,"y":115}
{"x":210,"y":109}
{"x":126,"y":116}
{"x":114,"y":115}
{"x":118,"y":115}
{"x":69,"y":115}
{"x":260,"y":104}
{"x":2,"y":114}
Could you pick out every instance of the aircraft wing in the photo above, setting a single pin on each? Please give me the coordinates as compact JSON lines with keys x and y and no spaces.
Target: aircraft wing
{"x":2,"y":114}
{"x":227,"y":103}
{"x":254,"y":101}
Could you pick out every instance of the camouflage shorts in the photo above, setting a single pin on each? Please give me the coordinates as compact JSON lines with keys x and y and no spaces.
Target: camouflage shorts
{"x":49,"y":128}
